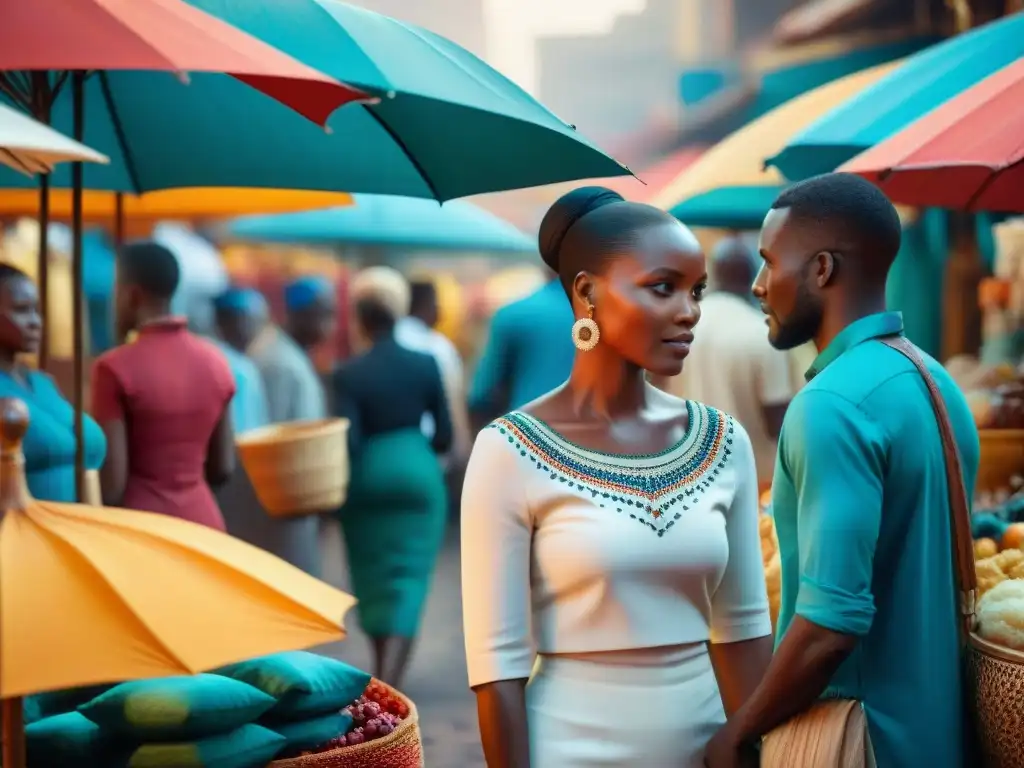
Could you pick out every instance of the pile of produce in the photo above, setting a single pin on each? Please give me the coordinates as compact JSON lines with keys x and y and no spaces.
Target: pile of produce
{"x":770,"y":557}
{"x":994,"y":392}
{"x":373,"y":715}
{"x":246,"y":715}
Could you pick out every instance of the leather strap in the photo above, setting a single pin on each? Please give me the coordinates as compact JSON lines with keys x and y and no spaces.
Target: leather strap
{"x":959,"y":508}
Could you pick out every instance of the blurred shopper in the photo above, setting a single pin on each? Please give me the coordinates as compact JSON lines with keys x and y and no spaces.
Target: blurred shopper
{"x":394,"y":518}
{"x":162,"y":400}
{"x":293,"y":393}
{"x":732,"y":365}
{"x":529,"y":352}
{"x":49,"y":444}
{"x":416,"y":331}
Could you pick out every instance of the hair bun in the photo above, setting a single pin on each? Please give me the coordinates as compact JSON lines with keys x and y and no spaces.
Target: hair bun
{"x":566,"y":211}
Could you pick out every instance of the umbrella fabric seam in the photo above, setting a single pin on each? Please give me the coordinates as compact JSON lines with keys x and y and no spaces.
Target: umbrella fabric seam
{"x":17,"y":161}
{"x":333,"y":20}
{"x":320,"y":618}
{"x":122,"y":140}
{"x":113,"y":590}
{"x":409,"y":155}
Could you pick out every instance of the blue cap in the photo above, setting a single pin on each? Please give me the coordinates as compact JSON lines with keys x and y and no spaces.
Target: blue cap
{"x":241,"y":300}
{"x":307,"y":291}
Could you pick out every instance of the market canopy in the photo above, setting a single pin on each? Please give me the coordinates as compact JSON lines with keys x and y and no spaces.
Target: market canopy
{"x":738,"y":160}
{"x":186,"y":204}
{"x":926,"y":80}
{"x":388,"y":221}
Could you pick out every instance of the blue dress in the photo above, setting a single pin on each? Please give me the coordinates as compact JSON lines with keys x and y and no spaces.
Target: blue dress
{"x":49,"y":444}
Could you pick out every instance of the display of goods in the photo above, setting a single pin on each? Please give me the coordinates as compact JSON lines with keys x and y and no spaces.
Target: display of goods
{"x":772,"y":563}
{"x":385,"y":733}
{"x":297,"y":468}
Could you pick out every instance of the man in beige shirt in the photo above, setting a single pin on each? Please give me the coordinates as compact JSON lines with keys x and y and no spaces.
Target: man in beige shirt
{"x":731,"y":365}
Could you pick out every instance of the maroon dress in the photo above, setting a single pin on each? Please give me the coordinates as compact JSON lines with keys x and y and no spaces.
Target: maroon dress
{"x":170,"y":388}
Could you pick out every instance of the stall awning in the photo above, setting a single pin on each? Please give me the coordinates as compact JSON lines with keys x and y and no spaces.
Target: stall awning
{"x":773,"y":77}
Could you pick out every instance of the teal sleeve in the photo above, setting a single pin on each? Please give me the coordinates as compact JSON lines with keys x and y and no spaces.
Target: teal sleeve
{"x":491,"y":375}
{"x":835,"y":456}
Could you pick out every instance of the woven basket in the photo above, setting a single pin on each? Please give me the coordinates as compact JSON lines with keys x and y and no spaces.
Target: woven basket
{"x":998,"y":675}
{"x":402,"y":748}
{"x":297,"y":468}
{"x":1002,"y":457}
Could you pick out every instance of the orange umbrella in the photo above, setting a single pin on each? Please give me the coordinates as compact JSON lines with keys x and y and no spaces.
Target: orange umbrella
{"x":188,"y":204}
{"x":968,"y":153}
{"x":91,"y":595}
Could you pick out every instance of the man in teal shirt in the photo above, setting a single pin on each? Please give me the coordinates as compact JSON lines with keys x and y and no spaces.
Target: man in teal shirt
{"x":529,"y":353}
{"x":868,"y":608}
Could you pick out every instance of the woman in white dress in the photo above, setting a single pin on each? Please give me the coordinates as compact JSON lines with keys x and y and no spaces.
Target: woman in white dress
{"x":613,"y":594}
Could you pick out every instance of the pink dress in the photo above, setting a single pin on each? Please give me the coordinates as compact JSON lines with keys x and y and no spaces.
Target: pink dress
{"x":170,"y":388}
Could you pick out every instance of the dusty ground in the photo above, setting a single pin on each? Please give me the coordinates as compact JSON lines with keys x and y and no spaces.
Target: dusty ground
{"x":436,"y":680}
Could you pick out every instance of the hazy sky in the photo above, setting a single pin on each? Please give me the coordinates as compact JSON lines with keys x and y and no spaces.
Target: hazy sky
{"x":513,"y":27}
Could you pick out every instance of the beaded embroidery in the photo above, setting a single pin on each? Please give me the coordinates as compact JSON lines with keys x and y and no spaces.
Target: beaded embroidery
{"x":653,"y":489}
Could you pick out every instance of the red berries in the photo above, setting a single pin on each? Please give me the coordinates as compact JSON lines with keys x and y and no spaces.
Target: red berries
{"x":374,"y":714}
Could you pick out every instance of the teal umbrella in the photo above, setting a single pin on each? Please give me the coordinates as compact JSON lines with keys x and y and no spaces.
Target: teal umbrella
{"x":447,"y":125}
{"x":389,"y":222}
{"x":926,"y":80}
{"x":742,"y":208}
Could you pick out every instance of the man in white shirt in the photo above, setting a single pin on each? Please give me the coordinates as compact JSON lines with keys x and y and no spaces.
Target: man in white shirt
{"x":731,"y":365}
{"x":416,"y":332}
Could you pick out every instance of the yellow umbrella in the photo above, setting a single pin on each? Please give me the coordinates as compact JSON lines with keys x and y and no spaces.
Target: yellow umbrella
{"x":738,"y":160}
{"x":185,"y":204}
{"x":91,"y":595}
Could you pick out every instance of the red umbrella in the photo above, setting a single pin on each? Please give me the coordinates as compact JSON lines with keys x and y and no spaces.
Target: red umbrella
{"x":966,"y":154}
{"x":151,"y":35}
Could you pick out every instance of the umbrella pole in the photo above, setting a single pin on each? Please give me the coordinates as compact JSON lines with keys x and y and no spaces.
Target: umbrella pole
{"x":118,"y":221}
{"x":13,"y":733}
{"x":77,"y":286}
{"x":43,"y":268}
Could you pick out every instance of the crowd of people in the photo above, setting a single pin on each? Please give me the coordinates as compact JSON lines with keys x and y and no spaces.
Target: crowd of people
{"x":614,"y":597}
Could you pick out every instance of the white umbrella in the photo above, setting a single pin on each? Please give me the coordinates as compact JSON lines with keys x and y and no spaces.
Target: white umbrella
{"x":31,"y":147}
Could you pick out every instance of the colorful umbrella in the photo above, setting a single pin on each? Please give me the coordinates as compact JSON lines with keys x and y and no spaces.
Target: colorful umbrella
{"x":390,"y":222}
{"x":926,"y":80}
{"x":28,"y":146}
{"x":186,"y":204}
{"x":153,"y":36}
{"x":447,"y":125}
{"x":738,"y":160}
{"x":104,"y":595}
{"x":967,"y":153}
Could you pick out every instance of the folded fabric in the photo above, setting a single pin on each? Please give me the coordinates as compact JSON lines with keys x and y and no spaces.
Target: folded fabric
{"x":304,"y":684}
{"x":177,"y":708}
{"x":250,"y":746}
{"x":309,"y":734}
{"x":68,"y":739}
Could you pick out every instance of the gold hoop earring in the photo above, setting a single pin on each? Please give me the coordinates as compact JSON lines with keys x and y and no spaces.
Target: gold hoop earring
{"x":585,"y":333}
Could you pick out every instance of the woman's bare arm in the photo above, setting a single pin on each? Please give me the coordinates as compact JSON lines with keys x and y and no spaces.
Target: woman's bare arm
{"x":501,"y":711}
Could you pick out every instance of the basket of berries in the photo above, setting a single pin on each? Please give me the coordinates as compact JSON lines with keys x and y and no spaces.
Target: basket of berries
{"x":385,"y":733}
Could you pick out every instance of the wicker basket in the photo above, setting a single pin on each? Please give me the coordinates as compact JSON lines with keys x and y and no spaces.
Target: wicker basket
{"x":402,"y":748}
{"x":1002,"y":457}
{"x":998,"y":675}
{"x":297,"y":468}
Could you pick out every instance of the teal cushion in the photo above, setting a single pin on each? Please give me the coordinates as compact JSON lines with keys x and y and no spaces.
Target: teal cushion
{"x":250,"y":746}
{"x":309,"y":734}
{"x":177,"y":708}
{"x":66,"y":740}
{"x":304,"y":684}
{"x":30,"y":710}
{"x":58,"y":702}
